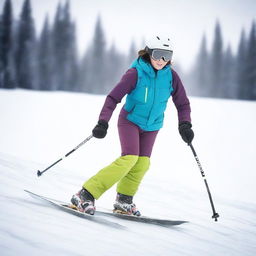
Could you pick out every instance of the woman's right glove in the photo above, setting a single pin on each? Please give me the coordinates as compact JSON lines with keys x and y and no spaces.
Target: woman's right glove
{"x":100,"y":130}
{"x":186,"y":132}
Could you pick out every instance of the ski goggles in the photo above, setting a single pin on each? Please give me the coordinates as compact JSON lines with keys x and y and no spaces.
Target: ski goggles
{"x":158,"y":54}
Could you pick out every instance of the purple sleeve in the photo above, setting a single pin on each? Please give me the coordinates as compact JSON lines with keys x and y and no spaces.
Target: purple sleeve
{"x":125,"y":86}
{"x":180,"y":99}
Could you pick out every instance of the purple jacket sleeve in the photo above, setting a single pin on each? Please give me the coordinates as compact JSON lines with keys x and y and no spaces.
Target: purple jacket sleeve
{"x":125,"y":86}
{"x":180,"y":99}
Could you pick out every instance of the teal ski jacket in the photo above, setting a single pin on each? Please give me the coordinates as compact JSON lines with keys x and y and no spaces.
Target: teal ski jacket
{"x":147,"y":102}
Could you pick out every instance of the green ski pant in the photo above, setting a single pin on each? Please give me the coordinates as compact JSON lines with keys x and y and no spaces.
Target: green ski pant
{"x":127,"y":170}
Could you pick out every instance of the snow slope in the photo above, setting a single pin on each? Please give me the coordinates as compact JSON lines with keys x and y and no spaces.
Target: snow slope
{"x":37,"y":128}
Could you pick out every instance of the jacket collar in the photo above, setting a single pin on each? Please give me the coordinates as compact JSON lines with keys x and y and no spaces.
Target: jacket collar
{"x":147,"y":67}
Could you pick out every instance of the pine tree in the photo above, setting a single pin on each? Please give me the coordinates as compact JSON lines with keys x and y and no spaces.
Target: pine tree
{"x":132,"y":55}
{"x":115,"y":68}
{"x":216,"y":64}
{"x":95,"y":61}
{"x":58,"y":45}
{"x":6,"y":47}
{"x":241,"y":67}
{"x":70,"y":51}
{"x":72,"y":65}
{"x":83,"y":73}
{"x":1,"y":53}
{"x":45,"y":58}
{"x":64,"y":45}
{"x":201,"y":72}
{"x":251,"y":65}
{"x":229,"y":84}
{"x":25,"y":52}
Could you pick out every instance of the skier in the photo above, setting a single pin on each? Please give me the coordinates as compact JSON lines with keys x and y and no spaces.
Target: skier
{"x":148,"y":84}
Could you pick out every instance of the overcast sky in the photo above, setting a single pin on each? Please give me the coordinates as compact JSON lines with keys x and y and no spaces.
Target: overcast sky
{"x":183,"y":20}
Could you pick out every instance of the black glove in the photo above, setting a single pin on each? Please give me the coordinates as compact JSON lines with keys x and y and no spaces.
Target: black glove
{"x":100,"y":130}
{"x":186,"y":132}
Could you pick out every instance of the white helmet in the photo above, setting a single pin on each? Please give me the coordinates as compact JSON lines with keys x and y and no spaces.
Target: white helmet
{"x":157,"y":42}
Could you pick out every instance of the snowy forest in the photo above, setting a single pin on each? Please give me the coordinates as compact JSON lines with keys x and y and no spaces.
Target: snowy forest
{"x":49,"y":59}
{"x":222,"y":74}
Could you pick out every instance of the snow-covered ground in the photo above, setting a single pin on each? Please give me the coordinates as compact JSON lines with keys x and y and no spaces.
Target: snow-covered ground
{"x":37,"y":128}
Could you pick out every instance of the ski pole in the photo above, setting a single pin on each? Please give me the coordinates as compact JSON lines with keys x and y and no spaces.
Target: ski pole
{"x":215,"y":214}
{"x":39,"y":173}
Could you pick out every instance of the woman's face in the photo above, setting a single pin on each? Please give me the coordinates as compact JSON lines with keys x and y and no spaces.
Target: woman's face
{"x":158,"y":64}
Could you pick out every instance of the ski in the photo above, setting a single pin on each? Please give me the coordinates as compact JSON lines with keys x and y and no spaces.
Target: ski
{"x":65,"y":207}
{"x":142,"y":219}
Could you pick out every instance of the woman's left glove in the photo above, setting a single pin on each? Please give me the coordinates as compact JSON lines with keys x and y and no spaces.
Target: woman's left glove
{"x":100,"y":130}
{"x":186,"y":132}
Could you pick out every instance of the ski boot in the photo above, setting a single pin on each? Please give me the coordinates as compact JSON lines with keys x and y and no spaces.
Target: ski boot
{"x":124,"y":205}
{"x":84,"y":202}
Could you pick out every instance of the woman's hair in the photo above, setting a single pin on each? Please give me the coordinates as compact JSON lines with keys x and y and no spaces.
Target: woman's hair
{"x":146,"y":57}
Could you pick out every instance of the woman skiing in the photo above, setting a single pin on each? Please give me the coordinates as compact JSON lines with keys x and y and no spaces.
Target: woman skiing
{"x":148,"y":84}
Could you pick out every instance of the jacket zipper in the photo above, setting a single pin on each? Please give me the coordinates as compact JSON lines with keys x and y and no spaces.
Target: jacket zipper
{"x":146,"y":94}
{"x":153,"y":97}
